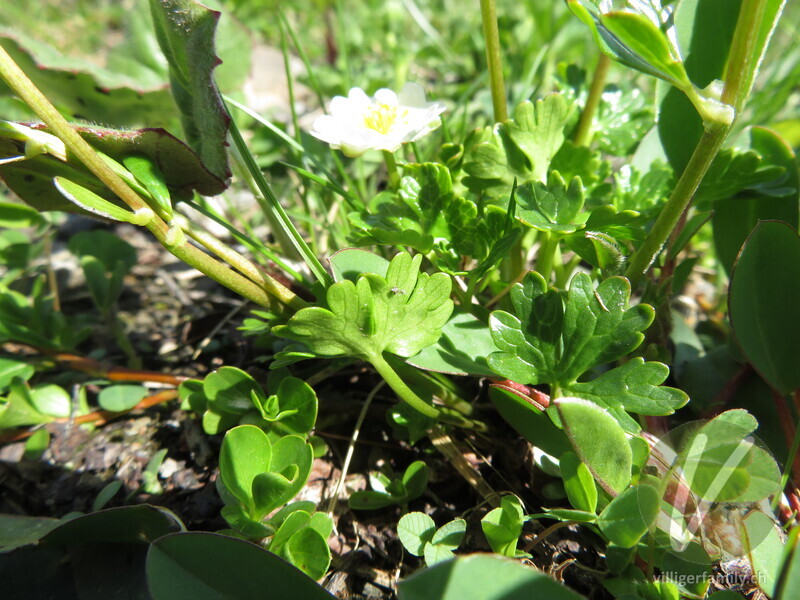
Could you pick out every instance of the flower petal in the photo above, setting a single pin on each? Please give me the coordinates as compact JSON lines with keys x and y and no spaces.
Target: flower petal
{"x":412,"y":95}
{"x":359,"y":123}
{"x":386,"y":96}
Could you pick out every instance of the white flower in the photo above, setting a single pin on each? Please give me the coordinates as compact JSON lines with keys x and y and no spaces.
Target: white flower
{"x":384,"y":122}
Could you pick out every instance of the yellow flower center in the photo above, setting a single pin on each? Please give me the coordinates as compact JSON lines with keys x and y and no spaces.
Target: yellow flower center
{"x":382,"y":117}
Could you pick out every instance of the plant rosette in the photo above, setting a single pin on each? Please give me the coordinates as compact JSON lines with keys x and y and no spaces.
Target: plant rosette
{"x":385,"y":121}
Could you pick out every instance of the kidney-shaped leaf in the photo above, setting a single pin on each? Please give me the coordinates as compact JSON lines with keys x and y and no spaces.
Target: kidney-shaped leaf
{"x":415,"y":529}
{"x":229,"y":389}
{"x":122,"y":397}
{"x":296,"y":395}
{"x":630,"y":515}
{"x":292,"y":456}
{"x":308,"y":551}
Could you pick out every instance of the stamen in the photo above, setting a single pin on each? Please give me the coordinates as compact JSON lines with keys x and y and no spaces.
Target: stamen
{"x":382,"y":117}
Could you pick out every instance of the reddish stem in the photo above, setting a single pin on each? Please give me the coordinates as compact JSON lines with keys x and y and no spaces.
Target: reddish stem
{"x":98,"y":417}
{"x":531,"y":395}
{"x":96,"y":369}
{"x":789,"y":428}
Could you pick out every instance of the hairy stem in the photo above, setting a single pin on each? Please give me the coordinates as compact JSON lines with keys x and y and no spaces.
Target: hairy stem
{"x":744,"y":55}
{"x":247,"y":268}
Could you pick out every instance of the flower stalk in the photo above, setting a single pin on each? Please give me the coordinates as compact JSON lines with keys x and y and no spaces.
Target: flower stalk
{"x":583,"y":133}
{"x":491,"y":38}
{"x":275,"y":212}
{"x":391,"y":169}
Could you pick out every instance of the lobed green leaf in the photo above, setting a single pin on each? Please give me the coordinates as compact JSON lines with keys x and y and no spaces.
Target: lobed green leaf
{"x":401,"y":313}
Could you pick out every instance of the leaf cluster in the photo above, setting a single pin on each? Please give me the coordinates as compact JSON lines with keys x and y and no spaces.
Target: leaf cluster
{"x":229,"y":397}
{"x":420,"y":537}
{"x":390,"y":489}
{"x":256,"y":478}
{"x":427,"y":215}
{"x":558,"y":338}
{"x":521,"y":148}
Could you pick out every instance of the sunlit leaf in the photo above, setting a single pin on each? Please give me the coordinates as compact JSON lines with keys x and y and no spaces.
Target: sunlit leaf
{"x":401,"y":313}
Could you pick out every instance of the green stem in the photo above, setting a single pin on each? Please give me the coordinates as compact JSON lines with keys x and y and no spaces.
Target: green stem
{"x":430,"y":382}
{"x":566,"y":270}
{"x":406,"y":394}
{"x":461,"y":296}
{"x":275,"y":208}
{"x":246,"y":237}
{"x":492,"y":39}
{"x":790,"y":459}
{"x":58,"y":125}
{"x":247,"y":268}
{"x":678,"y":202}
{"x":583,"y":134}
{"x":391,"y":169}
{"x":282,"y":239}
{"x":473,"y":285}
{"x":544,"y":257}
{"x":743,"y":58}
{"x":742,"y":63}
